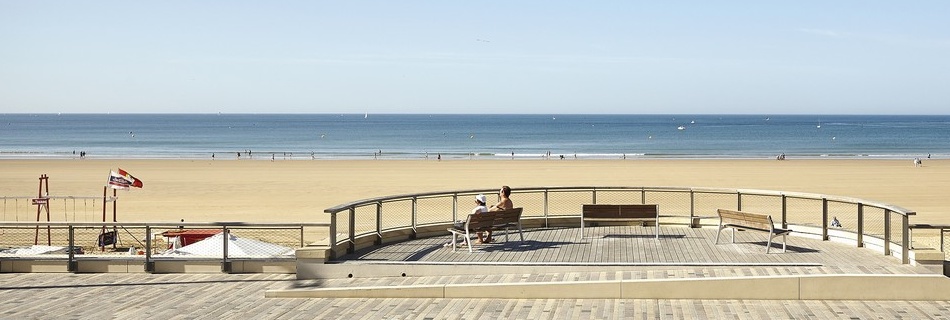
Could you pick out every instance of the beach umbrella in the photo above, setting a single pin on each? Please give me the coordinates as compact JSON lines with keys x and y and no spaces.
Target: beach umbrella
{"x":237,"y":247}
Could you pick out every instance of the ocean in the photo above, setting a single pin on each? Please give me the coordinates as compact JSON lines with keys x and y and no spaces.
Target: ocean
{"x":470,"y":136}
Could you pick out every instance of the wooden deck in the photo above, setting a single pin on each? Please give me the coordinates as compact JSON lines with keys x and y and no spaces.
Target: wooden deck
{"x":608,"y":253}
{"x":633,"y":246}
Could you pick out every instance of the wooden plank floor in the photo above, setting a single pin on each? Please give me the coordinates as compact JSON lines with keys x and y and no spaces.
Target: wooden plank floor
{"x":226,"y":296}
{"x":636,"y":246}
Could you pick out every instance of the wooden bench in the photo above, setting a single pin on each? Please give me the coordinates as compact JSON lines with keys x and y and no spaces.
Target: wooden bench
{"x":492,"y":220}
{"x":642,"y":213}
{"x":750,"y":221}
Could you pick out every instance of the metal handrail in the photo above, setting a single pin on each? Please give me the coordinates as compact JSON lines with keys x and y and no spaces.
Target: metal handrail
{"x":547,"y":192}
{"x":149,"y":264}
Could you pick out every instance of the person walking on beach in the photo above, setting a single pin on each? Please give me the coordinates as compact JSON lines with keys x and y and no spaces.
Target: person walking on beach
{"x":504,"y":203}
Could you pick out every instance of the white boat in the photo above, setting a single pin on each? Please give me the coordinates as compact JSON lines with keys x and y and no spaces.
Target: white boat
{"x":681,"y":128}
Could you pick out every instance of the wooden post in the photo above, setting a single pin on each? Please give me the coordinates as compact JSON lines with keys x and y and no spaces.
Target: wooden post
{"x":42,"y":201}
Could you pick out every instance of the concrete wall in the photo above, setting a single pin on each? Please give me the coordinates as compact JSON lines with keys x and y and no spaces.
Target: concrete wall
{"x":818,"y":287}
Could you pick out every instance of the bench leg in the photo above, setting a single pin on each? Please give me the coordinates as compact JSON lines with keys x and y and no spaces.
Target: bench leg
{"x":468,"y":241}
{"x":520,"y":233}
{"x":784,"y":243}
{"x":657,"y":229}
{"x":718,"y":233}
{"x":454,"y":239}
{"x":768,"y":246}
{"x":582,"y":228}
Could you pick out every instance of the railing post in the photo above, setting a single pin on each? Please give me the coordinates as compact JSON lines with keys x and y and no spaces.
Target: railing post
{"x":824,"y":219}
{"x":784,"y":211}
{"x":352,"y":234}
{"x":692,"y":208}
{"x":887,"y":232}
{"x":225,"y":264}
{"x":72,"y":265}
{"x":545,"y":207}
{"x":301,"y":236}
{"x":942,"y":240}
{"x":593,"y":195}
{"x":455,"y":207}
{"x":738,"y":201}
{"x":379,"y":223}
{"x":414,"y":212}
{"x":643,"y":195}
{"x":149,"y":264}
{"x":905,"y":239}
{"x":332,"y":235}
{"x":860,"y":225}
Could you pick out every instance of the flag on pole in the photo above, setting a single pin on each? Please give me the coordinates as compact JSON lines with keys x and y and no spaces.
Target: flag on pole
{"x":123,"y":180}
{"x":135,"y":182}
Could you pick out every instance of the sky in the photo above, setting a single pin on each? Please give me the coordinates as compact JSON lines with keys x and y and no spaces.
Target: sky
{"x":471,"y":57}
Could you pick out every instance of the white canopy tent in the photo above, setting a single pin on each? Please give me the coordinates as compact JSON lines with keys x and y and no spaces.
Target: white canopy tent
{"x":237,"y":247}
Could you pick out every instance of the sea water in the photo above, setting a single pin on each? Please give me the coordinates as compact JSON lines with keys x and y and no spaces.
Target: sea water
{"x":471,"y":136}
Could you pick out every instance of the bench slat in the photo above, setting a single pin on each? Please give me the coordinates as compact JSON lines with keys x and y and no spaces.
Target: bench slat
{"x":620,"y":213}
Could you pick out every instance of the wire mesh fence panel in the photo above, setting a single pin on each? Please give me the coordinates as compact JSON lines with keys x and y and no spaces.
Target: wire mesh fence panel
{"x":945,"y":239}
{"x":261,"y":242}
{"x":708,"y":204}
{"x":434,"y":210}
{"x":532,"y":203}
{"x":670,"y":203}
{"x":342,"y":224}
{"x":764,"y":204}
{"x":897,"y":231}
{"x":926,"y":239}
{"x":804,"y":211}
{"x":397,"y":214}
{"x":13,"y":237}
{"x":618,"y":197}
{"x":283,"y":236}
{"x":568,"y":203}
{"x":874,"y":222}
{"x":845,"y":213}
{"x":365,"y":219}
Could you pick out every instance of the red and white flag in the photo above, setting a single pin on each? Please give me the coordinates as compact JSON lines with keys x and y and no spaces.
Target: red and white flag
{"x":123,"y":180}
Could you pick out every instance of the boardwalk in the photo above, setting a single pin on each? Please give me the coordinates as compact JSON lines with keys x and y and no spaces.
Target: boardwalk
{"x":611,"y":253}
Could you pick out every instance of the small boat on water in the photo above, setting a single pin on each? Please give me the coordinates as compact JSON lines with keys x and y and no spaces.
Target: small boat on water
{"x":681,"y":128}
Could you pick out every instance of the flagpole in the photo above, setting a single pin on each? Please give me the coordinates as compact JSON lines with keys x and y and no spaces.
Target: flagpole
{"x":105,"y":192}
{"x":115,"y":202}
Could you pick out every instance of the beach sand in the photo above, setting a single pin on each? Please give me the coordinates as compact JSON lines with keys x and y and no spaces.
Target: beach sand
{"x":299,"y":190}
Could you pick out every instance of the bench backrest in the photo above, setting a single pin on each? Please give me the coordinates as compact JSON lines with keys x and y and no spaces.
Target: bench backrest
{"x":492,"y":218}
{"x":748,"y":219}
{"x":625,"y":211}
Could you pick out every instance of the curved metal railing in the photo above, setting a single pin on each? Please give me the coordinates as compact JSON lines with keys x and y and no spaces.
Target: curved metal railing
{"x":368,"y":222}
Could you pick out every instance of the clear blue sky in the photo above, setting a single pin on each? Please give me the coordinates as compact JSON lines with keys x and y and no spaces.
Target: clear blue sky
{"x":549,"y":57}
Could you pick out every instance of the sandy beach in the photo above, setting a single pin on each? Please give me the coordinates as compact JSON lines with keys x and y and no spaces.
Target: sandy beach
{"x":299,"y":190}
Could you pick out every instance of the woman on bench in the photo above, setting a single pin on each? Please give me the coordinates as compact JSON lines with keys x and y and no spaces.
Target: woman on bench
{"x":479,"y":208}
